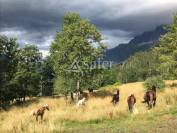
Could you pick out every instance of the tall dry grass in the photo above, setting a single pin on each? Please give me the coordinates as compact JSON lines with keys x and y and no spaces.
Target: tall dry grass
{"x":19,"y":120}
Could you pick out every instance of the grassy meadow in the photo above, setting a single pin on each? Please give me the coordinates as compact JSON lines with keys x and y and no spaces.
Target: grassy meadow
{"x":95,"y":116}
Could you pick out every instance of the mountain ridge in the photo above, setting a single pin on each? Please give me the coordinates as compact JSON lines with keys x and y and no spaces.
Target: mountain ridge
{"x":141,"y":42}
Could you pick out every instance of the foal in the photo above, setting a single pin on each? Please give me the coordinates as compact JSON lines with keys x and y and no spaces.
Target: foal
{"x":131,"y":100}
{"x":40,"y":111}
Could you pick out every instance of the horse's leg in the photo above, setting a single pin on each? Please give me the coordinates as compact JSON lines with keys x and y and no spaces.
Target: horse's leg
{"x":148,"y":104}
{"x":151,"y":104}
{"x":154,"y":102}
{"x":42,"y":117}
{"x":130,"y":108}
{"x":36,"y":117}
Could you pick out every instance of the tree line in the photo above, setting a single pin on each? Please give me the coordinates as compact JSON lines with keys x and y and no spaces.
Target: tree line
{"x":22,"y":72}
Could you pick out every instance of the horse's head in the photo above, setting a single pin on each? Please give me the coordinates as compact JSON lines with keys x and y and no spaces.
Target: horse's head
{"x":132,"y":95}
{"x":46,"y":106}
{"x":83,"y":99}
{"x":132,"y":98}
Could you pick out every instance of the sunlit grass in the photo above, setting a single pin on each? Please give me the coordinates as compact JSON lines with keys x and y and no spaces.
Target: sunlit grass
{"x":62,"y":115}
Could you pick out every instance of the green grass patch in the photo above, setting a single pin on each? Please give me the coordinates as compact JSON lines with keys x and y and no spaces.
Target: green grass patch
{"x":122,"y":124}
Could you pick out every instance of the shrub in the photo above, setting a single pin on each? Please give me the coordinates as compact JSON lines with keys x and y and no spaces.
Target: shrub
{"x":173,"y":85}
{"x":117,"y":83}
{"x":156,"y":81}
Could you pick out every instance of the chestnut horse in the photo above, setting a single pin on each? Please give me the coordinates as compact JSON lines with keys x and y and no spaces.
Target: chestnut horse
{"x":150,"y":97}
{"x":40,"y":112}
{"x":131,"y":100}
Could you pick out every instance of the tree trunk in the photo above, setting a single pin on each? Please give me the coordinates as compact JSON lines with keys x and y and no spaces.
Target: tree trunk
{"x":72,"y":97}
{"x":66,"y":96}
{"x":24,"y":95}
{"x":78,"y":85}
{"x":24,"y":98}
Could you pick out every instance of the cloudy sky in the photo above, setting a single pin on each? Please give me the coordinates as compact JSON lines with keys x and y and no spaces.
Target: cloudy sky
{"x":36,"y":21}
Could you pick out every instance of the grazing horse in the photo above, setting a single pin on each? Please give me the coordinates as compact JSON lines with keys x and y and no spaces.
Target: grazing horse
{"x":78,"y":95}
{"x":115,"y":98}
{"x":40,"y":111}
{"x":85,"y":95}
{"x":150,"y":97}
{"x":131,"y":100}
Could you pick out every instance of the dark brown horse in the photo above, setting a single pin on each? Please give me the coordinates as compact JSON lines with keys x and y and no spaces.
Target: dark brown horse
{"x":115,"y":98}
{"x":131,"y":100}
{"x":150,"y":97}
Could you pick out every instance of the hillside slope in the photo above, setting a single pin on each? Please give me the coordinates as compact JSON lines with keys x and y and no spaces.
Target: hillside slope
{"x":95,"y":116}
{"x":139,"y":43}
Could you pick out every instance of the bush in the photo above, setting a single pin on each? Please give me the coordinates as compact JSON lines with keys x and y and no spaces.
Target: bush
{"x":156,"y":81}
{"x":117,"y":83}
{"x":173,"y":85}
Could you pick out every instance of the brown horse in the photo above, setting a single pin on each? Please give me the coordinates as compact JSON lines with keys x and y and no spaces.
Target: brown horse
{"x":40,"y":112}
{"x":115,"y":98}
{"x":131,"y":100}
{"x":150,"y":97}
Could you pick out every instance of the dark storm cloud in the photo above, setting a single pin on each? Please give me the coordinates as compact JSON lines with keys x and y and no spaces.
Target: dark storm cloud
{"x":36,"y":21}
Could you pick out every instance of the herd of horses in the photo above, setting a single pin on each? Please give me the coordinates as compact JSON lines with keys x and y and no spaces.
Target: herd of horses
{"x":149,"y":98}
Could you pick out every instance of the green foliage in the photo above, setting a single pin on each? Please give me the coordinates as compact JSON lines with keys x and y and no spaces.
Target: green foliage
{"x":19,"y":76}
{"x":117,"y":83}
{"x":109,"y":76}
{"x":92,"y":81}
{"x":74,"y":43}
{"x":63,"y":85}
{"x":28,"y":70}
{"x":138,"y":67}
{"x":156,"y":81}
{"x":47,"y":77}
{"x":167,"y":50}
{"x":8,"y":60}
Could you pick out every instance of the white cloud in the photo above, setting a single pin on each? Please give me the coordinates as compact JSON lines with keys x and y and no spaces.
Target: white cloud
{"x":45,"y":53}
{"x":23,"y":38}
{"x":115,"y":37}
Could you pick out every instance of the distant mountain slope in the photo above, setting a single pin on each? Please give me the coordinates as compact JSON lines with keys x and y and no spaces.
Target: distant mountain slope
{"x":139,"y":43}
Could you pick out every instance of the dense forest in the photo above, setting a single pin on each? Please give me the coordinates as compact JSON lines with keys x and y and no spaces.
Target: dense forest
{"x":24,"y":73}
